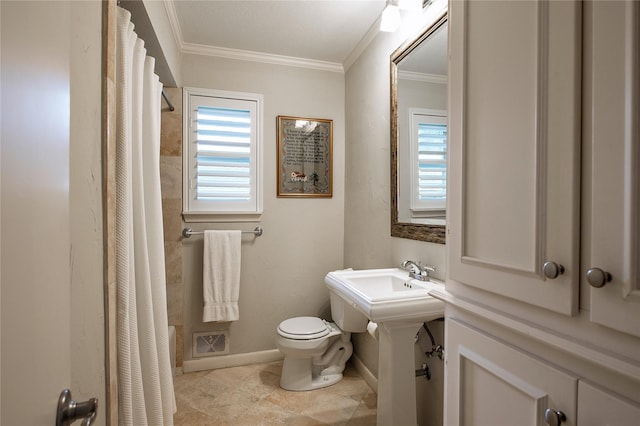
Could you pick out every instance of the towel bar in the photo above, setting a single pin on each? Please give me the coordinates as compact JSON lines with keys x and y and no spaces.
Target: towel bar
{"x":187,"y":232}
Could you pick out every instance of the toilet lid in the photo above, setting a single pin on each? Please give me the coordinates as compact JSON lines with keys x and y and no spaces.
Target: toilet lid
{"x":303,"y":328}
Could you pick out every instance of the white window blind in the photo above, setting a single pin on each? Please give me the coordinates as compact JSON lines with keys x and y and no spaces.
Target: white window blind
{"x":223,"y":154}
{"x":429,"y":161}
{"x":222,"y":158}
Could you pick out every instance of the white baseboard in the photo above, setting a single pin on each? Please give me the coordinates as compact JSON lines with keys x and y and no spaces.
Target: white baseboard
{"x":234,"y":360}
{"x":224,"y":361}
{"x":366,"y":374}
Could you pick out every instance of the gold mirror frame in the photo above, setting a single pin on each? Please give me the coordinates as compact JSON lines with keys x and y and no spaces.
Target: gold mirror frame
{"x":413,"y":231}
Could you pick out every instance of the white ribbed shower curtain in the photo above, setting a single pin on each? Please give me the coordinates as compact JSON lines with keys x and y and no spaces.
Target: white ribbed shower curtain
{"x":145,"y":384}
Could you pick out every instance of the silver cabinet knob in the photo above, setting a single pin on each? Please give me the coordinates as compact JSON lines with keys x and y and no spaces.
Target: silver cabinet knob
{"x":553,"y":417}
{"x":552,"y":270}
{"x":597,"y":278}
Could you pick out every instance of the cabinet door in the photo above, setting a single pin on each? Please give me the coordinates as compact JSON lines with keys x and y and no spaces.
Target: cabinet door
{"x":598,"y":407}
{"x":488,"y":382}
{"x":514,"y":148}
{"x":612,"y":161}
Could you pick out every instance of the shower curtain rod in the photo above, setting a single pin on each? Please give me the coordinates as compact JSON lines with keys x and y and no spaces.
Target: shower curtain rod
{"x":187,"y":232}
{"x":166,"y":99}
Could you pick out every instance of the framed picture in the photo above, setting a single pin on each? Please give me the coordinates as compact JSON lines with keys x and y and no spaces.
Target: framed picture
{"x":305,"y":156}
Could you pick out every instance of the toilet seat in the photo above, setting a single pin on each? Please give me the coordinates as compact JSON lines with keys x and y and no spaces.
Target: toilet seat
{"x":303,"y":328}
{"x":315,"y":352}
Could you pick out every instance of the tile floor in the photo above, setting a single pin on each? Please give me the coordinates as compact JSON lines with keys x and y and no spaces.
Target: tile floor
{"x":250,"y":395}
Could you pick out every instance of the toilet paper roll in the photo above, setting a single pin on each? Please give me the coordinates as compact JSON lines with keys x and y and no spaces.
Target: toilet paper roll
{"x":372,"y":329}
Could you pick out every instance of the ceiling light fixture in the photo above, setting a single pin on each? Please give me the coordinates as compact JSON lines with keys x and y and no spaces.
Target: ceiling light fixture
{"x":410,"y":5}
{"x":390,"y":20}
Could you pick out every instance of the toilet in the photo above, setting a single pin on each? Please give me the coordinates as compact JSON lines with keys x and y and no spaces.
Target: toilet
{"x":316,"y":351}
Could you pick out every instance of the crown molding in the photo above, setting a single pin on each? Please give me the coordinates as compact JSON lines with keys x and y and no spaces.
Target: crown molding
{"x":267,"y":58}
{"x":243,"y":55}
{"x":425,"y":78}
{"x":362,"y":44}
{"x":175,"y":24}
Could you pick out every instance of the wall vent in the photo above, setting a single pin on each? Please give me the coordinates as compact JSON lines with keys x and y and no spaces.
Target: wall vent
{"x":210,"y":343}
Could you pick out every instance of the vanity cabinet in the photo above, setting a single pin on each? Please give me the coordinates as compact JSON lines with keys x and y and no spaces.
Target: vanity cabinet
{"x":491,"y":382}
{"x":514,"y":144}
{"x":524,"y":203}
{"x":611,"y":145}
{"x":543,"y":230}
{"x":597,"y":407}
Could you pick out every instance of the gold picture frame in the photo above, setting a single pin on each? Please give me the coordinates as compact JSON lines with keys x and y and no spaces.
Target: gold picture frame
{"x":305,"y":157}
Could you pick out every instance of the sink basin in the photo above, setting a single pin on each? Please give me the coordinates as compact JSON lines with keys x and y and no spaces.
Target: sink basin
{"x":399,"y":305}
{"x":384,"y":295}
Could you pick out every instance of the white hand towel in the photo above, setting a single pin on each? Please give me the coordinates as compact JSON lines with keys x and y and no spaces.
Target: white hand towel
{"x":221,"y":275}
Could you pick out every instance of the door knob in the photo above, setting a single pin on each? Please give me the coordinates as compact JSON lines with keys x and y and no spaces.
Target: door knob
{"x":597,"y":278}
{"x":69,"y":410}
{"x":553,"y":417}
{"x":552,"y":270}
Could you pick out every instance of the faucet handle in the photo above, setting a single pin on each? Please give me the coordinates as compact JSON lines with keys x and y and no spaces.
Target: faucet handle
{"x":417,"y":271}
{"x":406,"y":263}
{"x":424,"y":272}
{"x":423,"y":275}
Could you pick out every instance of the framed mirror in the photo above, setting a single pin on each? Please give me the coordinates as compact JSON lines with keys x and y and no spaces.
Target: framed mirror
{"x":419,"y":136}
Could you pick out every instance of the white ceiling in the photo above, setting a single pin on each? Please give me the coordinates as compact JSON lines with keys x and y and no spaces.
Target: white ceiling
{"x":317,"y":30}
{"x":430,"y":57}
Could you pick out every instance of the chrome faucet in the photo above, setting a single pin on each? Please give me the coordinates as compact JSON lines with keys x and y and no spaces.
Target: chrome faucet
{"x":417,"y":271}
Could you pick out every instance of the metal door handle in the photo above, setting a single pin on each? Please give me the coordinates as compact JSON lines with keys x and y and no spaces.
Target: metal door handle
{"x":69,"y":410}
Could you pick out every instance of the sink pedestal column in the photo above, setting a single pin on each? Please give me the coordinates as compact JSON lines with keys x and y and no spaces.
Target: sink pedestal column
{"x":396,"y":374}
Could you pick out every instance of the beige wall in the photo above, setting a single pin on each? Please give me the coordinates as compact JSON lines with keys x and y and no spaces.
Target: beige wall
{"x":368,"y":243}
{"x":283,"y":271}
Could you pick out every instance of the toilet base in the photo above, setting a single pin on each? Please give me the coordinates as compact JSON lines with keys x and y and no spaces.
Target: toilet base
{"x":297,"y":376}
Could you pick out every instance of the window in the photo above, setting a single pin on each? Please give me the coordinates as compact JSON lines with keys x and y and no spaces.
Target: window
{"x":428,"y":162}
{"x":222,"y":155}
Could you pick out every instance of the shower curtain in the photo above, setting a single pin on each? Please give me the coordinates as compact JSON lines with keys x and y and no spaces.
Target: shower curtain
{"x":145,"y":383}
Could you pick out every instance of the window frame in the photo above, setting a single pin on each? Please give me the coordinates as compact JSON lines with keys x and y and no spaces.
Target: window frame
{"x":198,"y":211}
{"x":419,"y":208}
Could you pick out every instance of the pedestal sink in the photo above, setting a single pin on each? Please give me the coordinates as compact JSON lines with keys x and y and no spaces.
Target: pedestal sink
{"x":399,"y":305}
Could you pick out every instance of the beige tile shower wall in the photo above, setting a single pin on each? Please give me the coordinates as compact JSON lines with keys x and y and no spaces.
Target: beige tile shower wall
{"x":171,"y":179}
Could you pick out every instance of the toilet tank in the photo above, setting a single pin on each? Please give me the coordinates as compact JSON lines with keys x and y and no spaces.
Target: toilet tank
{"x":346,"y":316}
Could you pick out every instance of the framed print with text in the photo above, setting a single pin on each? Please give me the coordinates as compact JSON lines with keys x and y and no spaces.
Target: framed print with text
{"x":305,"y":156}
